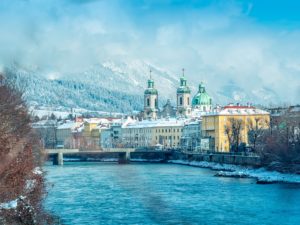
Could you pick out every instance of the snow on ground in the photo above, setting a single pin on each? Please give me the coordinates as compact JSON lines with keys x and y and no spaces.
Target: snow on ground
{"x":227,"y":170}
{"x":9,"y":205}
{"x":30,"y":184}
{"x":37,"y":171}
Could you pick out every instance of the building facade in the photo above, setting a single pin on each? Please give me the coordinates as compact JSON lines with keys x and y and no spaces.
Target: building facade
{"x":112,"y":137}
{"x":215,"y":125}
{"x":191,"y":136}
{"x":158,"y":133}
{"x":168,"y":110}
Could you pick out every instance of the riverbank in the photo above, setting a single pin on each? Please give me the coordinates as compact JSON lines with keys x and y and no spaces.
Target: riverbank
{"x":226,"y":165}
{"x":261,"y":175}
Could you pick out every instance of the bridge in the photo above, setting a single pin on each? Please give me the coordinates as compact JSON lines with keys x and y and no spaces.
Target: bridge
{"x":123,"y":154}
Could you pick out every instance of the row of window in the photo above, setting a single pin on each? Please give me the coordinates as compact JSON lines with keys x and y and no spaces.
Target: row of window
{"x":167,"y":137}
{"x":168,"y":130}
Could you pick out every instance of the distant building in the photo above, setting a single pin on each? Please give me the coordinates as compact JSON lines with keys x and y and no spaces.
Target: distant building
{"x":112,"y":137}
{"x":66,"y":134}
{"x":280,"y":116}
{"x":168,"y":110}
{"x":46,"y":131}
{"x":165,"y":133}
{"x":213,"y":125}
{"x":191,"y":136}
{"x":91,"y":133}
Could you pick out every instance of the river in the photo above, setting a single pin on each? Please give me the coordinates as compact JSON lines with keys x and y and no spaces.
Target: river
{"x":142,"y":193}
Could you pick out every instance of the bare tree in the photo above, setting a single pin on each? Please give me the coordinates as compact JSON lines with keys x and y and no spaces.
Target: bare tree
{"x":256,"y":129}
{"x":233,"y":129}
{"x":281,"y":150}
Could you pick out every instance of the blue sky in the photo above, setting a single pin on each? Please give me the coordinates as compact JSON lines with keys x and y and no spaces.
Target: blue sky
{"x":254,"y":43}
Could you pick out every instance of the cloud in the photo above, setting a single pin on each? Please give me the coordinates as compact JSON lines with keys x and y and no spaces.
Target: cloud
{"x":216,"y":41}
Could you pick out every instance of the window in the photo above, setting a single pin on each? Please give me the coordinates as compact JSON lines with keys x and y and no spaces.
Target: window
{"x":148,"y":102}
{"x":180,"y":100}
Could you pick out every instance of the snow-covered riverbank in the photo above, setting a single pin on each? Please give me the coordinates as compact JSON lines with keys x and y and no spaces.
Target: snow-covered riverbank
{"x":227,"y":170}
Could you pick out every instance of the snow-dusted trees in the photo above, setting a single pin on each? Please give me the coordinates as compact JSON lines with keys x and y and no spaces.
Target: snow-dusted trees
{"x":21,"y":180}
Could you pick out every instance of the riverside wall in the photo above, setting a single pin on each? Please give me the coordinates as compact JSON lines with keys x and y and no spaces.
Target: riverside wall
{"x":221,"y":158}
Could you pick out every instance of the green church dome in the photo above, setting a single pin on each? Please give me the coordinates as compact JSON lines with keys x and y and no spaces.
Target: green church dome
{"x":201,"y":98}
{"x":183,"y":89}
{"x":151,"y":90}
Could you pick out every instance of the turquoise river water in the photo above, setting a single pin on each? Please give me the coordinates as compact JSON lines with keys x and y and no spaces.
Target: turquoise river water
{"x":108,"y":193}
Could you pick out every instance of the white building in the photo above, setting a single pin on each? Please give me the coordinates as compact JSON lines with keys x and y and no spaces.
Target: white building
{"x":191,"y":136}
{"x":164,"y":132}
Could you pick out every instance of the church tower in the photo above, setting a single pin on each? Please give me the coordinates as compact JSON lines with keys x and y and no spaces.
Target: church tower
{"x":150,"y":100}
{"x":183,"y":98}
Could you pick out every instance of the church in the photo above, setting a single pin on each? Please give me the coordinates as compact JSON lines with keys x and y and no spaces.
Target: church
{"x":185,"y":106}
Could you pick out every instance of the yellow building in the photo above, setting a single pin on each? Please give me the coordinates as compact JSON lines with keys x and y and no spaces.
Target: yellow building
{"x":165,"y":133}
{"x":91,"y":133}
{"x":217,"y":125}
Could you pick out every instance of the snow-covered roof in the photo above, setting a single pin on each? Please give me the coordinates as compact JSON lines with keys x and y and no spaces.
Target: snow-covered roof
{"x":295,"y":109}
{"x":237,"y":110}
{"x":129,"y":120}
{"x":197,"y":113}
{"x":44,"y":123}
{"x":67,"y":125}
{"x":97,"y":120}
{"x":156,"y":123}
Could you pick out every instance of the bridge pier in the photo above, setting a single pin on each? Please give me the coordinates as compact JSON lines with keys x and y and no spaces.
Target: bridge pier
{"x":124,"y":157}
{"x":58,"y":159}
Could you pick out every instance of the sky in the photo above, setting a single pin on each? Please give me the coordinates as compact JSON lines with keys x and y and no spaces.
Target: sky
{"x":253,"y":43}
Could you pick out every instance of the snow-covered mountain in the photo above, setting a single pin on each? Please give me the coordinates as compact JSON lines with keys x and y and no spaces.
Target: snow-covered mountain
{"x":117,"y":87}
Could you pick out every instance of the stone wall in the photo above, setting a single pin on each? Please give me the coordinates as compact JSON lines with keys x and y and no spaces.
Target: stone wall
{"x":219,"y":158}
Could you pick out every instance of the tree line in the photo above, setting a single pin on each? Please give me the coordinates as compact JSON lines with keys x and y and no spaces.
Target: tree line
{"x":277,"y":141}
{"x":21,"y":157}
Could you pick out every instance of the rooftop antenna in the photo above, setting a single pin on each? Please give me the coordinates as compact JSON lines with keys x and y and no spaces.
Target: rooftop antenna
{"x":183,"y":72}
{"x":150,"y":74}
